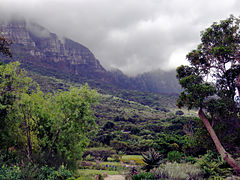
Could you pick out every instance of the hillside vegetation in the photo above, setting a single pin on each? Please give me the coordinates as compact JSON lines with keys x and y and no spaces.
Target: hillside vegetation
{"x":74,"y":125}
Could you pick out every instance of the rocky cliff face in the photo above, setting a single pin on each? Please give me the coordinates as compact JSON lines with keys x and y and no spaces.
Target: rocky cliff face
{"x":35,"y":45}
{"x":44,"y":52}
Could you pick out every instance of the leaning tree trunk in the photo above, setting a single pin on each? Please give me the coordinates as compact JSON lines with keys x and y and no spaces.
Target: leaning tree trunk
{"x":225,"y":155}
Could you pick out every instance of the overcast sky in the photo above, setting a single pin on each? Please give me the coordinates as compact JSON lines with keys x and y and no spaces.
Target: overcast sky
{"x":133,"y":35}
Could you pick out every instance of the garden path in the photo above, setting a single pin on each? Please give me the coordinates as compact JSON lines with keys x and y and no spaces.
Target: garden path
{"x":115,"y":177}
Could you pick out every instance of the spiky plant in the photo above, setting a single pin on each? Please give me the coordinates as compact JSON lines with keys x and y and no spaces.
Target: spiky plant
{"x":152,"y":159}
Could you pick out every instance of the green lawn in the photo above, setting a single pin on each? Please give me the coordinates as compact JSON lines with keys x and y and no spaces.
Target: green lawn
{"x":136,"y":158}
{"x":129,"y":157}
{"x":88,"y":174}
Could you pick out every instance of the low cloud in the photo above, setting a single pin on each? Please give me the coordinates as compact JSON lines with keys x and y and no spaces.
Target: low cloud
{"x":134,"y":36}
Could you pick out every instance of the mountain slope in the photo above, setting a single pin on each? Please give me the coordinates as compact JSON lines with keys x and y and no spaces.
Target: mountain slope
{"x":45,"y":53}
{"x":158,"y":81}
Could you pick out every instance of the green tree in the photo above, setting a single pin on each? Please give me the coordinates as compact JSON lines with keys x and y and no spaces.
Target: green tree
{"x":55,"y":126}
{"x":210,"y":82}
{"x":48,"y":128}
{"x":13,"y":83}
{"x":73,"y":119}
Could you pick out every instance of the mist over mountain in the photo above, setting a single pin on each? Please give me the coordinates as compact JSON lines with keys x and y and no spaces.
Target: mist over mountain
{"x":158,"y":81}
{"x":44,"y":52}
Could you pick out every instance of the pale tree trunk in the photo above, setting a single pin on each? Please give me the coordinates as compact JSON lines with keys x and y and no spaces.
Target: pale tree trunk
{"x":225,"y":155}
{"x":235,"y":112}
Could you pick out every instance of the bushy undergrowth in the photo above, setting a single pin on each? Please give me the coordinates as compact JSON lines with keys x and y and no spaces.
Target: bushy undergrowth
{"x":10,"y":173}
{"x":191,"y":159}
{"x":178,"y":171}
{"x":213,"y":165}
{"x":143,"y":176}
{"x":33,"y":172}
{"x":174,"y":156}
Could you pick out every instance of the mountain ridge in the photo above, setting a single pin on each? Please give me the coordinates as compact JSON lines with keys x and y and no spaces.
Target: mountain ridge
{"x":44,"y":52}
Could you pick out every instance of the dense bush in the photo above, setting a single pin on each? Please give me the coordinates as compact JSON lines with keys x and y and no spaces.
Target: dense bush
{"x":49,"y":173}
{"x":174,"y":156}
{"x":152,"y":159}
{"x":168,"y":142}
{"x":33,"y":172}
{"x":212,"y":165}
{"x":191,"y":159}
{"x":40,"y":128}
{"x":178,"y":171}
{"x":10,"y":173}
{"x":99,"y":153}
{"x":143,"y":176}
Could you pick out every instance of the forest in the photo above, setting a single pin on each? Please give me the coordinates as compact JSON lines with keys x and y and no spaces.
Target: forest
{"x":53,"y":129}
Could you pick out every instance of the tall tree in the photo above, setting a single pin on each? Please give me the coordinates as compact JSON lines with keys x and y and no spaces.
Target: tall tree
{"x":45,"y":128}
{"x":211,"y":81}
{"x":13,"y":83}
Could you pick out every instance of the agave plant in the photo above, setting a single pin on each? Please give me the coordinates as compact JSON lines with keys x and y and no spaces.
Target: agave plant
{"x":152,"y":159}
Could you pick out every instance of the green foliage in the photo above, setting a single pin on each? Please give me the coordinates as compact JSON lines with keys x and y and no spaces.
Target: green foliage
{"x":49,"y":173}
{"x":99,"y":153}
{"x":219,"y":47}
{"x":170,"y":142}
{"x":10,"y":173}
{"x":33,"y":172}
{"x":142,"y":176}
{"x":211,"y":83}
{"x":174,"y":156}
{"x":48,"y":128}
{"x":152,"y":159}
{"x":177,"y":171}
{"x":191,"y":159}
{"x":133,"y":159}
{"x":13,"y":83}
{"x":213,"y":165}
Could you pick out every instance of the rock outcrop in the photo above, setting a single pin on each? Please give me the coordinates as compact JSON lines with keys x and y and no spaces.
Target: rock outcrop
{"x":44,"y":52}
{"x":35,"y":45}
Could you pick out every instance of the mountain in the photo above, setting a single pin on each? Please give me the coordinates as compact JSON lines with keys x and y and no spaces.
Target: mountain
{"x":39,"y":47}
{"x":43,"y":52}
{"x":158,"y":81}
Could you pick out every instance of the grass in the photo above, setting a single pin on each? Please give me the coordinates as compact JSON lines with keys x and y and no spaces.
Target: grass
{"x":136,"y":158}
{"x":88,"y":174}
{"x":129,"y":157}
{"x":111,"y":163}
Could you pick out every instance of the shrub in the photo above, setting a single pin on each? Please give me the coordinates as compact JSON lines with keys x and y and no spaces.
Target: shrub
{"x":191,"y":159}
{"x":10,"y":173}
{"x":152,"y":159}
{"x":174,"y":156}
{"x":213,"y":165}
{"x":99,"y":153}
{"x":178,"y":171}
{"x":143,"y":176}
{"x":49,"y":173}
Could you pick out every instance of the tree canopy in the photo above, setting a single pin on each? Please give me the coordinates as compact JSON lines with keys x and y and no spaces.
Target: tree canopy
{"x":210,"y":82}
{"x":47,"y":128}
